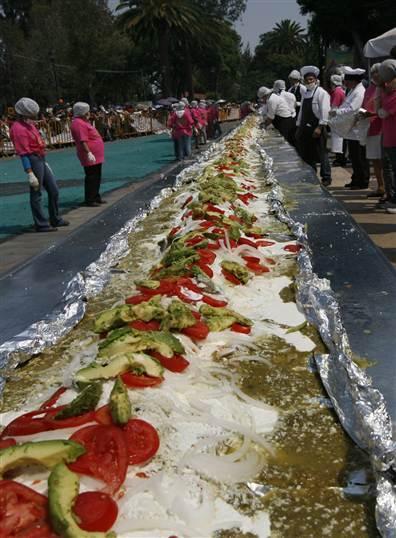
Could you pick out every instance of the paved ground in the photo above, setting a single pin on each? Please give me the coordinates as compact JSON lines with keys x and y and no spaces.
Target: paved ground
{"x":379,"y":225}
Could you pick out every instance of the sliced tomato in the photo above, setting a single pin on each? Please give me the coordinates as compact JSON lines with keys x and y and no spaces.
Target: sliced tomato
{"x":206,"y":255}
{"x":177,"y":363}
{"x":217,"y":303}
{"x":213,"y":246}
{"x":139,"y":381}
{"x":264,"y":243}
{"x":103,"y":415}
{"x":251,"y":259}
{"x":54,"y":398}
{"x":206,"y":269}
{"x":5,"y":443}
{"x":139,"y":325}
{"x":106,"y":456}
{"x":96,"y":511}
{"x":254,"y":235}
{"x":137,"y":299}
{"x":215,"y":209}
{"x":186,"y":282}
{"x":238,"y":328}
{"x":257,"y":268}
{"x":271,"y":261}
{"x":174,"y":231}
{"x":185,"y":298}
{"x":206,"y":224}
{"x":186,"y":215}
{"x":293,"y":248}
{"x":218,"y":231}
{"x":142,"y":440}
{"x":230,"y":277}
{"x":245,"y":241}
{"x":199,"y":331}
{"x":195,"y":240}
{"x":72,"y":422}
{"x":189,"y":199}
{"x":196,"y":315}
{"x":23,"y":512}
{"x":27,"y":424}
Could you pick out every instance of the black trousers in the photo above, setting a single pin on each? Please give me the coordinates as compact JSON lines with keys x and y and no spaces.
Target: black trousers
{"x":93,"y":177}
{"x":314,"y":150}
{"x":286,"y":127}
{"x":360,"y":165}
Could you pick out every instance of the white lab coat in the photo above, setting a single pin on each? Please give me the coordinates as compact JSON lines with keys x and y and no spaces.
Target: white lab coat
{"x":277,"y":106}
{"x":350,"y":107}
{"x":320,"y":104}
{"x":290,"y":99}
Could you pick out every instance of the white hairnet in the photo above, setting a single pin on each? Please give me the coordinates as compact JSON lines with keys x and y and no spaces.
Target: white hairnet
{"x":279,"y":85}
{"x":387,"y":70}
{"x":375,"y":68}
{"x":184,"y":100}
{"x":295,"y":75}
{"x":194,"y":103}
{"x":27,"y":107}
{"x":310,"y":70}
{"x":80,"y":109}
{"x":180,"y":106}
{"x":336,"y":80}
{"x":263,"y":91}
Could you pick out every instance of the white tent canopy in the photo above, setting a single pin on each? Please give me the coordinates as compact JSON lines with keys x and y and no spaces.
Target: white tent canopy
{"x":380,"y":46}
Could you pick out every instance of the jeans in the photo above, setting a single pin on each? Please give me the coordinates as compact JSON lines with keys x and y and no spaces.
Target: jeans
{"x":390,"y":172}
{"x":182,"y":147}
{"x":46,"y":179}
{"x":93,"y":177}
{"x":360,"y":165}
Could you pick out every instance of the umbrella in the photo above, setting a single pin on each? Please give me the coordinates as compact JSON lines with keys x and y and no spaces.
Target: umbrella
{"x":380,"y":46}
{"x":168,"y":101}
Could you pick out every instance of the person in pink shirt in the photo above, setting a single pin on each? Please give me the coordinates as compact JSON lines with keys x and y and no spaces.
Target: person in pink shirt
{"x":386,"y":110}
{"x":30,"y":146}
{"x":90,"y":151}
{"x":181,"y":124}
{"x":374,"y":134}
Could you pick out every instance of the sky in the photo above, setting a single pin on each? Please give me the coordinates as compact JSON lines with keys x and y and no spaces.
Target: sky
{"x":262,"y":15}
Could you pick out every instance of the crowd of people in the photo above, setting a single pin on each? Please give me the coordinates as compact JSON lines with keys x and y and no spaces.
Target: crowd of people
{"x":198,"y":120}
{"x":358,"y":112}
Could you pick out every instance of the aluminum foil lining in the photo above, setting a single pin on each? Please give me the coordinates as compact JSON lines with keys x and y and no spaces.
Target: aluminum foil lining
{"x":89,"y":282}
{"x":360,"y":407}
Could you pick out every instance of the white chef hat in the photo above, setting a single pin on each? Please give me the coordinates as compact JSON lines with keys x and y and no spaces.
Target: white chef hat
{"x":27,"y":107}
{"x":184,"y":100}
{"x":349,"y":71}
{"x":310,"y":70}
{"x":263,"y":91}
{"x":279,"y":85}
{"x":336,"y":80}
{"x":295,"y":75}
{"x":194,"y":103}
{"x":387,"y":70}
{"x":180,"y":106}
{"x":80,"y":109}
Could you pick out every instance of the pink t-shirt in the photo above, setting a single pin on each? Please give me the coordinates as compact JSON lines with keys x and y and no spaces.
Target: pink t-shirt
{"x":337,"y":97}
{"x":26,"y":139}
{"x":204,"y":116}
{"x":388,"y":103}
{"x":375,"y":128}
{"x":83,"y":131}
{"x":196,"y":116}
{"x":181,"y":126}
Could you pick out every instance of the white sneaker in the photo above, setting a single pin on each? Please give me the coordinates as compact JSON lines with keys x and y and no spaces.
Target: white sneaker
{"x":391,"y":210}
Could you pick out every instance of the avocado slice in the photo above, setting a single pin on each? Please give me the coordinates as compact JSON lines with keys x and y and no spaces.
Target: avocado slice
{"x":149,"y":284}
{"x":63,"y":488}
{"x":129,"y":340}
{"x":148,"y":310}
{"x":94,"y":371}
{"x":237,"y":270}
{"x":179,"y":316}
{"x":219,"y":319}
{"x":47,"y":453}
{"x":119,"y":365}
{"x":86,"y":401}
{"x":113,"y":318}
{"x":120,"y":404}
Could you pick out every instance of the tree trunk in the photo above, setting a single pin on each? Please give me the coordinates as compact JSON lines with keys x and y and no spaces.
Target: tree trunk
{"x":189,"y":72}
{"x":164,"y":60}
{"x":358,"y":56}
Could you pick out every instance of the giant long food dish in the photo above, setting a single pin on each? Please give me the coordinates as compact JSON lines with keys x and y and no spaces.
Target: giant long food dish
{"x":186,"y":402}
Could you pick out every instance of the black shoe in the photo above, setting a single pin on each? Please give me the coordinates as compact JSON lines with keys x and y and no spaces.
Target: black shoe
{"x":101,"y":201}
{"x":326,"y":182}
{"x":92,"y":204}
{"x":62,"y":222}
{"x":358,"y":186}
{"x":46,"y":229}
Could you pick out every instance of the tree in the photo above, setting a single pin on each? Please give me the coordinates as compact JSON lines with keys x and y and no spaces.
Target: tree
{"x":352,"y":22}
{"x":286,"y":36}
{"x":157,"y":20}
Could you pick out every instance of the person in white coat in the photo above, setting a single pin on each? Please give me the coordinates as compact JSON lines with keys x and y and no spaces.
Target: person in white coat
{"x":351,"y":106}
{"x":296,"y":88}
{"x":290,"y":98}
{"x":311,"y":134}
{"x":277,"y":112}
